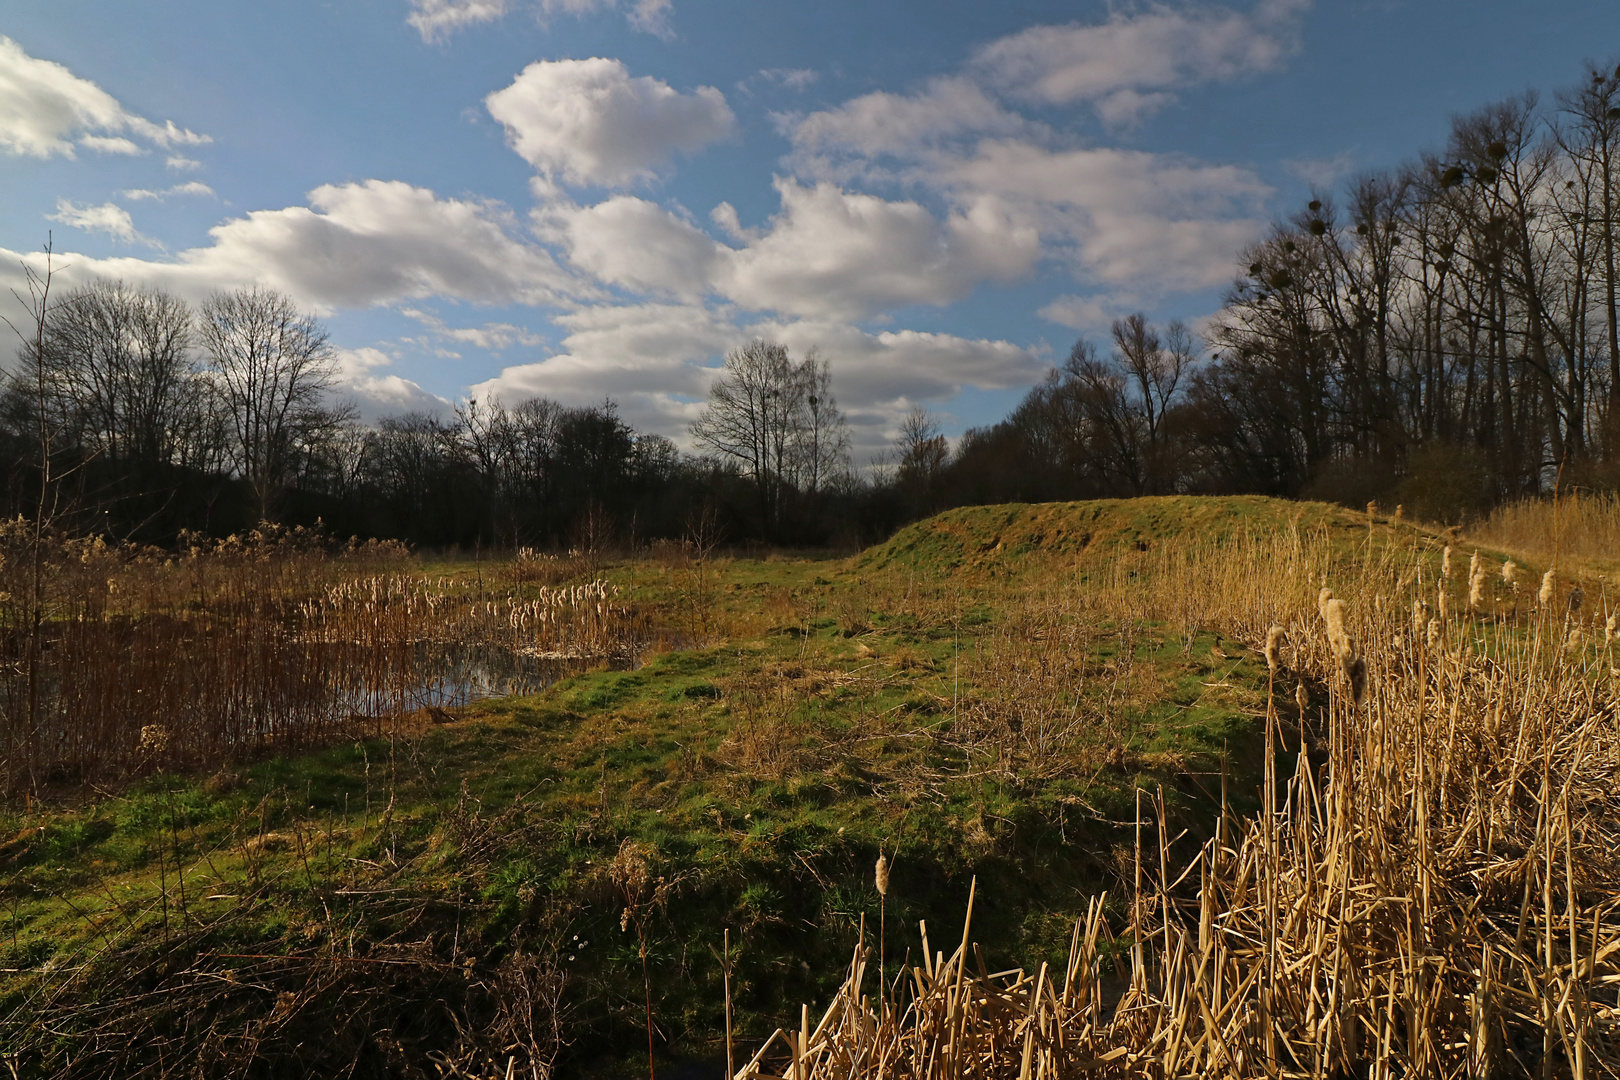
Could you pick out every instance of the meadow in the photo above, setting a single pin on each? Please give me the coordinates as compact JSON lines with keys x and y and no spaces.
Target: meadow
{"x":1148,"y":803}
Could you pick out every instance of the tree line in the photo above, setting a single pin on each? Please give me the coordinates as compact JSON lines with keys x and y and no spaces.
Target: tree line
{"x":1444,"y":334}
{"x":132,"y":415}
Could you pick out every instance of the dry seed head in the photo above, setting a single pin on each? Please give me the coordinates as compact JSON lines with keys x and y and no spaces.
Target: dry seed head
{"x":1322,"y":599}
{"x":1434,"y":633}
{"x":1608,"y":629}
{"x":1333,"y":615}
{"x":1445,"y":563}
{"x":1476,"y":590}
{"x":1473,"y":566}
{"x":1372,"y":508}
{"x":1356,"y":671}
{"x":1302,"y":697}
{"x":1573,"y":643}
{"x":1510,"y":574}
{"x":1549,"y":582}
{"x":1400,"y":512}
{"x":1444,"y":605}
{"x":1420,"y":616}
{"x":1575,"y":598}
{"x":154,"y":739}
{"x":1274,"y":640}
{"x":882,"y":875}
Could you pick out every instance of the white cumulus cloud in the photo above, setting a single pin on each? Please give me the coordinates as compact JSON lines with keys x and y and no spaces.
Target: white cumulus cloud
{"x":1126,"y":64}
{"x":592,"y":122}
{"x":109,"y":218}
{"x":355,"y":245}
{"x":832,"y":253}
{"x":45,"y":109}
{"x":638,"y":245}
{"x":1125,"y":216}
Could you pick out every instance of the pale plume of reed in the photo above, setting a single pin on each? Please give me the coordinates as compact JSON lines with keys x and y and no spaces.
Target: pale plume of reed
{"x":1549,"y":583}
{"x":1474,"y":564}
{"x":1476,"y":588}
{"x":1274,"y":641}
{"x":1510,"y":575}
{"x":1445,"y":563}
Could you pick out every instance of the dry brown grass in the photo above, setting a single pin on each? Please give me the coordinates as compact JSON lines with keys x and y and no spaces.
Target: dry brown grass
{"x":1575,"y":527}
{"x":1433,"y":893}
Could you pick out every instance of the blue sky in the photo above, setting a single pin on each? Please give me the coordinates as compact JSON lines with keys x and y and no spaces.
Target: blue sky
{"x":596,"y":198}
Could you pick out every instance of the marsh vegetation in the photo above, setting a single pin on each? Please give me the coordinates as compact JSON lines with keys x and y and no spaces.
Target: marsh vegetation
{"x":1391,"y":854}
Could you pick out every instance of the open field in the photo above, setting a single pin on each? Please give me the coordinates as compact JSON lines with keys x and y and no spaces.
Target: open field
{"x":1016,"y":695}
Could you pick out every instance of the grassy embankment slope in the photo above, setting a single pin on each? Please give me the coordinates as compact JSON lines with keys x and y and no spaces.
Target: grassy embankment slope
{"x":978,"y":696}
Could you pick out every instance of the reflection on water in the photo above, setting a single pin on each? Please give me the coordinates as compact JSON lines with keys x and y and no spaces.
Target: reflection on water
{"x":445,"y":676}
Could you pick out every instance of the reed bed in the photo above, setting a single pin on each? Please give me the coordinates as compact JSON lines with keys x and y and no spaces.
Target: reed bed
{"x":1430,"y":889}
{"x":119,"y":661}
{"x":1576,"y":526}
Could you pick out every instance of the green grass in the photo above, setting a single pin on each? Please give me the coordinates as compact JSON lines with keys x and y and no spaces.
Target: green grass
{"x":757,"y":777}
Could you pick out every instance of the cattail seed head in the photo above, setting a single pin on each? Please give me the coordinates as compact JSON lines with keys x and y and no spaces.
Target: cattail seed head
{"x":1444,"y":604}
{"x":1549,"y":582}
{"x":1576,"y":595}
{"x":1445,"y":563}
{"x":1356,"y":672}
{"x":1338,"y":638}
{"x":1372,"y":508}
{"x":1322,"y":599}
{"x":1608,"y":629}
{"x":1302,"y":697}
{"x":1274,"y":640}
{"x":1510,"y":575}
{"x":1420,"y":617}
{"x":1473,"y":566}
{"x":1434,"y":633}
{"x":1400,"y":512}
{"x":882,"y":875}
{"x":1573,"y":642}
{"x":1476,"y":590}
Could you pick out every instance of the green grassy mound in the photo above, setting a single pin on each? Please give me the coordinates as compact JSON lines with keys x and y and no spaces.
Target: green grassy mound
{"x":1025,"y":536}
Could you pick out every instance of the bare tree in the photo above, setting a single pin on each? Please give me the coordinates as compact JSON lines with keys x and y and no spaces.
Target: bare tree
{"x":119,"y":369}
{"x":824,"y":439}
{"x":778,"y":420}
{"x":273,"y":369}
{"x":924,"y":453}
